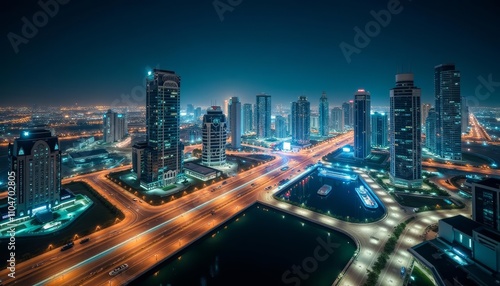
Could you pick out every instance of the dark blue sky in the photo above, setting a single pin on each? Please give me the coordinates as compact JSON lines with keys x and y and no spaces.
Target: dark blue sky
{"x":92,"y":52}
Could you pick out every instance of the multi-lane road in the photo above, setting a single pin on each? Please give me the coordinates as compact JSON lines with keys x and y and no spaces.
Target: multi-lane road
{"x":150,"y":234}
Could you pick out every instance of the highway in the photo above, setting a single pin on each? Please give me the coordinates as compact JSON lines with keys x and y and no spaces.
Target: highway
{"x":150,"y":234}
{"x":141,"y":222}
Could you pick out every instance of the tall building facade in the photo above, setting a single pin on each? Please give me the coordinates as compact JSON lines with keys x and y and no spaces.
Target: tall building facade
{"x":362,"y":129}
{"x":448,"y":112}
{"x":380,"y":136}
{"x":35,"y":159}
{"x":163,"y":156}
{"x":138,"y":158}
{"x":197,"y":113}
{"x":235,"y":128}
{"x":280,"y":126}
{"x":301,"y":121}
{"x":405,"y":133}
{"x":486,"y":202}
{"x":430,"y":130}
{"x":425,"y":111}
{"x":346,"y":107}
{"x":214,"y":133}
{"x":324,"y":116}
{"x":115,"y":126}
{"x":465,"y":115}
{"x":247,"y":118}
{"x":263,"y":116}
{"x":314,"y":119}
{"x":337,"y":119}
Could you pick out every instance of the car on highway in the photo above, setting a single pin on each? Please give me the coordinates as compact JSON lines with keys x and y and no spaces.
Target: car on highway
{"x":68,"y":246}
{"x":85,"y":240}
{"x":268,"y":188}
{"x":118,"y":269}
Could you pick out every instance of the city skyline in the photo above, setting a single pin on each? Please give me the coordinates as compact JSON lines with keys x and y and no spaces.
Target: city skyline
{"x":148,"y":142}
{"x":265,"y":60}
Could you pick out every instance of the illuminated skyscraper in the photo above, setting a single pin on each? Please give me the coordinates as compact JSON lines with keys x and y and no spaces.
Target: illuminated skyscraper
{"x":35,"y":160}
{"x":235,"y":114}
{"x":425,"y":111}
{"x":337,"y":119}
{"x":280,"y":126}
{"x":486,"y":202}
{"x":430,"y":130}
{"x":448,"y":112}
{"x":163,"y":156}
{"x":115,"y":126}
{"x":362,"y":129}
{"x":301,"y":121}
{"x":324,"y":116}
{"x":263,"y":116}
{"x":379,"y":130}
{"x":247,"y":118}
{"x":346,"y":108}
{"x":214,"y":133}
{"x":405,"y":133}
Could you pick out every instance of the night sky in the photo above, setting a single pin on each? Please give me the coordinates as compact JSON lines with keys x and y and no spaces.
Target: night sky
{"x":92,"y":52}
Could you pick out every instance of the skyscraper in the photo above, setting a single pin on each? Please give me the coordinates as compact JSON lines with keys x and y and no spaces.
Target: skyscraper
{"x":190,"y":110}
{"x":314,"y":119}
{"x":115,"y":126}
{"x":138,"y":158}
{"x":465,"y":115}
{"x":280,"y":126}
{"x":197,"y":113}
{"x":324,"y":119}
{"x":425,"y":111}
{"x":337,"y":119}
{"x":214,"y":133}
{"x":36,"y":160}
{"x":430,"y":130}
{"x":448,"y":112}
{"x":301,"y":121}
{"x":247,"y":118}
{"x":225,"y":107}
{"x":263,"y":116}
{"x":405,"y":133}
{"x":486,"y":202}
{"x":347,"y":111}
{"x":163,"y":156}
{"x":379,"y":130}
{"x":362,"y":128}
{"x":235,"y":114}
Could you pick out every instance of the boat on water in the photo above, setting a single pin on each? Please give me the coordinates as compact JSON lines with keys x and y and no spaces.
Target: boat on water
{"x":337,"y":175}
{"x":324,"y":190}
{"x":118,"y":269}
{"x":366,"y":198}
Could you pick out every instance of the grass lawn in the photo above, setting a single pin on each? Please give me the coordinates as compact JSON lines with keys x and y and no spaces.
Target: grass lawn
{"x":420,"y":278}
{"x":169,"y":187}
